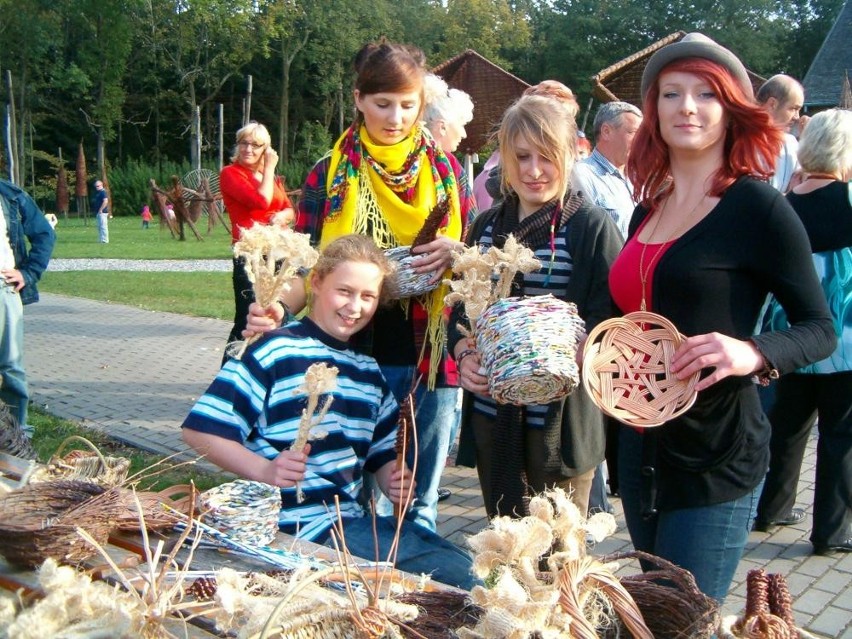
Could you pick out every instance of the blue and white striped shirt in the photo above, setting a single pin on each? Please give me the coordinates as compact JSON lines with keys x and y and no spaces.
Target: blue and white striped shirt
{"x":256,"y":402}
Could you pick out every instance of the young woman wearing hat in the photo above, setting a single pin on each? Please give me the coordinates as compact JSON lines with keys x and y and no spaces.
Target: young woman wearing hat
{"x":707,"y":242}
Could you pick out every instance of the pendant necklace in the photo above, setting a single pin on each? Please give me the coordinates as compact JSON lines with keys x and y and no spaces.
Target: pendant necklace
{"x":644,"y":272}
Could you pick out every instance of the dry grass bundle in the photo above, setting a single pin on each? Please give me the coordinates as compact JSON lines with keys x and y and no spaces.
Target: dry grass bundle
{"x":578,"y":596}
{"x":487,"y":276}
{"x":273,"y":256}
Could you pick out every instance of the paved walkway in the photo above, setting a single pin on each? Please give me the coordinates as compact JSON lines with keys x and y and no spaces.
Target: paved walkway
{"x":135,"y":374}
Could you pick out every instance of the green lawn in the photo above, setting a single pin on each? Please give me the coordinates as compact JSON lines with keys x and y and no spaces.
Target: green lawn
{"x":198,"y":294}
{"x":202,"y":294}
{"x":128,"y":240}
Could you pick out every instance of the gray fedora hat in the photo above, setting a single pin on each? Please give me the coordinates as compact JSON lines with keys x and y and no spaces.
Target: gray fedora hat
{"x":695,"y":45}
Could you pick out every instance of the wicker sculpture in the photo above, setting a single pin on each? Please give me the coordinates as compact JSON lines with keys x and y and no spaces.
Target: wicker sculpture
{"x":626,"y":370}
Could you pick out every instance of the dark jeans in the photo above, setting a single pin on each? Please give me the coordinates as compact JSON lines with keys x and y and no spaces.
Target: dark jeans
{"x":243,"y":297}
{"x":708,"y":541}
{"x":420,"y":550}
{"x":799,"y":399}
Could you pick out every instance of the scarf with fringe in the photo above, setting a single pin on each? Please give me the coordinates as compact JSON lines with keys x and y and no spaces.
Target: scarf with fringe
{"x":386,"y":192}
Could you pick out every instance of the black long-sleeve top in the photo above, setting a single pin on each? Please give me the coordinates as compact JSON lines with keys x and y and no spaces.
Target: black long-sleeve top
{"x":715,"y":278}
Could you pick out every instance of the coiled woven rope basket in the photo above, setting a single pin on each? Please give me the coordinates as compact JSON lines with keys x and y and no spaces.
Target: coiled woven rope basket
{"x":409,"y":283}
{"x":528,"y":348}
{"x":626,"y":370}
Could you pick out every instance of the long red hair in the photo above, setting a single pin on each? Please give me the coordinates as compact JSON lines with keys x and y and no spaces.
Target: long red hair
{"x":752,"y":142}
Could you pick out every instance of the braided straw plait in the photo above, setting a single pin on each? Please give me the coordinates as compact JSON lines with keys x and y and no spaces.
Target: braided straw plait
{"x":528,"y":347}
{"x":626,"y":370}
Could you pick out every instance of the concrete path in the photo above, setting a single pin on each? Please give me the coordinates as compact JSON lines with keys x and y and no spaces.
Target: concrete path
{"x":135,"y":374}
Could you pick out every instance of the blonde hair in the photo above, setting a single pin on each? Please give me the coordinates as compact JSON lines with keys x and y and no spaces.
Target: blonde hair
{"x":251,"y":131}
{"x":826,"y":144}
{"x":545,"y":124}
{"x":357,"y":248}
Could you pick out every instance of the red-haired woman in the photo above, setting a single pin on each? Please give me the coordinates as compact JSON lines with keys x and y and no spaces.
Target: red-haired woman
{"x":707,"y":242}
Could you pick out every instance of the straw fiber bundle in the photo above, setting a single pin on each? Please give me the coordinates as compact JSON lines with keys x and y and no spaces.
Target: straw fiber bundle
{"x":82,"y":465}
{"x":670,"y":601}
{"x":41,"y":520}
{"x":626,"y":370}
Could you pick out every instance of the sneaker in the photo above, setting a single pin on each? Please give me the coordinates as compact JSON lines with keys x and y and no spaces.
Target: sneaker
{"x":444,"y":494}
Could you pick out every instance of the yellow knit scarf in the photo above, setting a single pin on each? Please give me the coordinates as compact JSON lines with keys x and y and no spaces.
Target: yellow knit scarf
{"x":371,"y":207}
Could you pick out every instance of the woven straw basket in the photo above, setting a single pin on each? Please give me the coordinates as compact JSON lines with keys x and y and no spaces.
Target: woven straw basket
{"x":669,"y":599}
{"x":40,"y":521}
{"x":409,"y":283}
{"x":84,"y":466}
{"x":626,"y":370}
{"x":528,"y":348}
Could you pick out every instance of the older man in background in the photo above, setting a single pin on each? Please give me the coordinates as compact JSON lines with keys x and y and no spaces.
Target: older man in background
{"x":783,"y":97}
{"x":600,"y":177}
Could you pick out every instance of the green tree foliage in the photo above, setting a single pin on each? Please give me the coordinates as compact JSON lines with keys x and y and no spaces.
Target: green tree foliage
{"x":131,"y":73}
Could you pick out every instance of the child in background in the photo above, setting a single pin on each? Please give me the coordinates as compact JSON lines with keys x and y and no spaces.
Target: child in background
{"x":146,"y":216}
{"x":249,"y":417}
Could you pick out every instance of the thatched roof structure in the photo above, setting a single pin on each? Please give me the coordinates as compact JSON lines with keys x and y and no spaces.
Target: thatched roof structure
{"x":491,"y":88}
{"x":824,"y":81}
{"x":622,"y":80}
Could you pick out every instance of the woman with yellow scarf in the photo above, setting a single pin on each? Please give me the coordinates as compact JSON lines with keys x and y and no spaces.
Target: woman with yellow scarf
{"x":382,"y":178}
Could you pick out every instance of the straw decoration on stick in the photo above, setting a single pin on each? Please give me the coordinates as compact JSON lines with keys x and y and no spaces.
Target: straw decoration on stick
{"x":487,"y":276}
{"x":273,"y":256}
{"x":320,"y":379}
{"x":429,"y":231}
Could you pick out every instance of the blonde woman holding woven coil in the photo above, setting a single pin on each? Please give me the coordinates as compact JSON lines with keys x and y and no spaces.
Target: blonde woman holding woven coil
{"x":518,"y":449}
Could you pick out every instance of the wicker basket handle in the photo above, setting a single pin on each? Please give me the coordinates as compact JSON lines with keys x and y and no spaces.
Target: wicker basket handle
{"x":94,"y":448}
{"x":179,"y":496}
{"x":670,"y":571}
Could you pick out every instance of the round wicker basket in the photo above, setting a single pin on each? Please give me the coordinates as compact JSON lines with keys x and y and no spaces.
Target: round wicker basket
{"x":626,"y":370}
{"x":409,"y":283}
{"x":245,"y":510}
{"x":528,"y":347}
{"x":155,"y":517}
{"x":41,"y":520}
{"x":85,"y":465}
{"x":669,"y":598}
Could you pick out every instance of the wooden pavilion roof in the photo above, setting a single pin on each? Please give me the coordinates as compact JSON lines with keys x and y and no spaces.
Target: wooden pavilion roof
{"x":491,"y":88}
{"x":622,"y":80}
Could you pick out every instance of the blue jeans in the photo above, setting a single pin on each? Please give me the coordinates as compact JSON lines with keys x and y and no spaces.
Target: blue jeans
{"x":708,"y":541}
{"x":103,"y":227}
{"x":420,"y":550}
{"x":13,"y":387}
{"x":435,"y":418}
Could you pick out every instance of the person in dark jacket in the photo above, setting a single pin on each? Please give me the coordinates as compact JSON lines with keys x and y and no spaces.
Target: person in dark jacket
{"x":707,"y":243}
{"x":561,"y":443}
{"x":823,"y":389}
{"x":22,"y":221}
